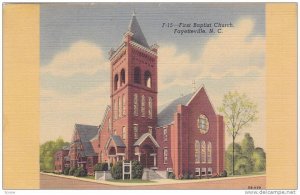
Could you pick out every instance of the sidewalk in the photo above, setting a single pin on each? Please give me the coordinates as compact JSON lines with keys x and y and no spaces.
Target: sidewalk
{"x":155,"y":182}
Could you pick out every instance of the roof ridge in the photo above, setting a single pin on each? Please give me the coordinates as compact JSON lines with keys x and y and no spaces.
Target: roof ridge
{"x":165,"y":116}
{"x":85,"y":125}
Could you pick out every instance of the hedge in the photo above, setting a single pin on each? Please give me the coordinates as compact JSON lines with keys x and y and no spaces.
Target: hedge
{"x":101,"y":167}
{"x":66,"y":171}
{"x":80,"y":172}
{"x":137,"y":170}
{"x":72,"y":171}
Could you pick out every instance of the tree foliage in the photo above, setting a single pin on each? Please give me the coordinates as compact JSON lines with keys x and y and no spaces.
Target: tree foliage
{"x":47,"y":151}
{"x":248,"y":158}
{"x":229,"y":155}
{"x":247,"y":145}
{"x":259,"y":159}
{"x":239,"y":111}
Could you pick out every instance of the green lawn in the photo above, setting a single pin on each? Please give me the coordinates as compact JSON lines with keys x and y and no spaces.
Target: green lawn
{"x":130,"y":181}
{"x":89,"y":177}
{"x":249,"y":174}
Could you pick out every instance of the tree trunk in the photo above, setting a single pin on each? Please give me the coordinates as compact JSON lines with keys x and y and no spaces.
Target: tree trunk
{"x":233,"y":138}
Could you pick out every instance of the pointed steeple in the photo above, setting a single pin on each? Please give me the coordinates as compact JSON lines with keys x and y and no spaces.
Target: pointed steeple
{"x":138,"y":35}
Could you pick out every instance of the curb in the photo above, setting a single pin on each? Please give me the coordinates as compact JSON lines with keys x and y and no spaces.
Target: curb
{"x":156,"y":182}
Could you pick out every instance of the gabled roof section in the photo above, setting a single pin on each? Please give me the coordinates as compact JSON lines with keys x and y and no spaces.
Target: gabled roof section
{"x":138,"y":35}
{"x":143,"y":138}
{"x":117,"y":140}
{"x":86,"y":133}
{"x":165,"y":117}
{"x":198,"y":91}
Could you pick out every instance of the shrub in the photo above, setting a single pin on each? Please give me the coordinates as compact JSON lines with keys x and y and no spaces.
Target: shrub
{"x":116,"y":170}
{"x":171,"y":175}
{"x":66,"y":171}
{"x":243,"y":165}
{"x":186,"y":175}
{"x":72,"y":171}
{"x":105,"y":166}
{"x":80,"y":172}
{"x":223,"y":174}
{"x":98,"y":167}
{"x":101,"y":167}
{"x":137,"y":170}
{"x":192,"y":176}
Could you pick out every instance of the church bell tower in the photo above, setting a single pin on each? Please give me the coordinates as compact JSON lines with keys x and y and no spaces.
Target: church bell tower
{"x":133,"y":89}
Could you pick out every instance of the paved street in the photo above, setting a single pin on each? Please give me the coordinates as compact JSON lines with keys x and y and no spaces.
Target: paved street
{"x":52,"y":182}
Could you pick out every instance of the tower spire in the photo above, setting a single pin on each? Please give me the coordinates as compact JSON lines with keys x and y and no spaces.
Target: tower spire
{"x":138,"y":35}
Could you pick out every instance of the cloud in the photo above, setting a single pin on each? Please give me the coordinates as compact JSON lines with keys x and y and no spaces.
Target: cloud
{"x":231,"y":61}
{"x":234,"y":53}
{"x":81,"y":57}
{"x":75,"y":88}
{"x":59,"y":112}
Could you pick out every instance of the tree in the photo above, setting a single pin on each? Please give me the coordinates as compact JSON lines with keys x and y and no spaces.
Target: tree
{"x":238,"y":113}
{"x":229,"y":155}
{"x":247,"y":145}
{"x":259,"y":159}
{"x":47,"y":151}
{"x":243,"y":165}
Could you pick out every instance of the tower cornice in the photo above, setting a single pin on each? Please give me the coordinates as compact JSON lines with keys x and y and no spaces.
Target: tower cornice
{"x":142,"y":48}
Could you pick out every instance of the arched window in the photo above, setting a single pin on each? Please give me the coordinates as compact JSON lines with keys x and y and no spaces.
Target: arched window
{"x":143,"y":106}
{"x":116,"y":80}
{"x":137,"y":75}
{"x":150,"y":107}
{"x":147,"y":77}
{"x":203,"y":152}
{"x":135,"y":105}
{"x":209,"y":152}
{"x":122,"y":77}
{"x":197,"y":151}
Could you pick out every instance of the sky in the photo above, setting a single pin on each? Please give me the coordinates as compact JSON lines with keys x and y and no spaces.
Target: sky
{"x":76,"y":38}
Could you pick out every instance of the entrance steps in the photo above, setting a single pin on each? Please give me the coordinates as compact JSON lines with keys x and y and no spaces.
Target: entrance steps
{"x":152,"y":174}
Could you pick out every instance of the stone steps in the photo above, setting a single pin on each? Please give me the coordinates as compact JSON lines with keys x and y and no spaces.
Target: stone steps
{"x":150,"y":174}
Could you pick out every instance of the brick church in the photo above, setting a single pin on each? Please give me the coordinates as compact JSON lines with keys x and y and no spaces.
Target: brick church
{"x":187,"y":136}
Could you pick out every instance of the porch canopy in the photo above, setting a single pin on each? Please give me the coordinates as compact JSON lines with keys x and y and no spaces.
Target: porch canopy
{"x":146,"y":150}
{"x":115,"y":148}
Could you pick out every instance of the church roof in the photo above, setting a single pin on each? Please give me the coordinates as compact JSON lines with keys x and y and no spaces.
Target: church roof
{"x":86,"y":133}
{"x":143,"y":138}
{"x":138,"y":35}
{"x":118,"y":141}
{"x":165,"y":117}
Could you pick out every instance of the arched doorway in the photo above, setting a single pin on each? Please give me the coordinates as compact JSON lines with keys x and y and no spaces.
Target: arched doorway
{"x":112,"y":155}
{"x":147,"y":158}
